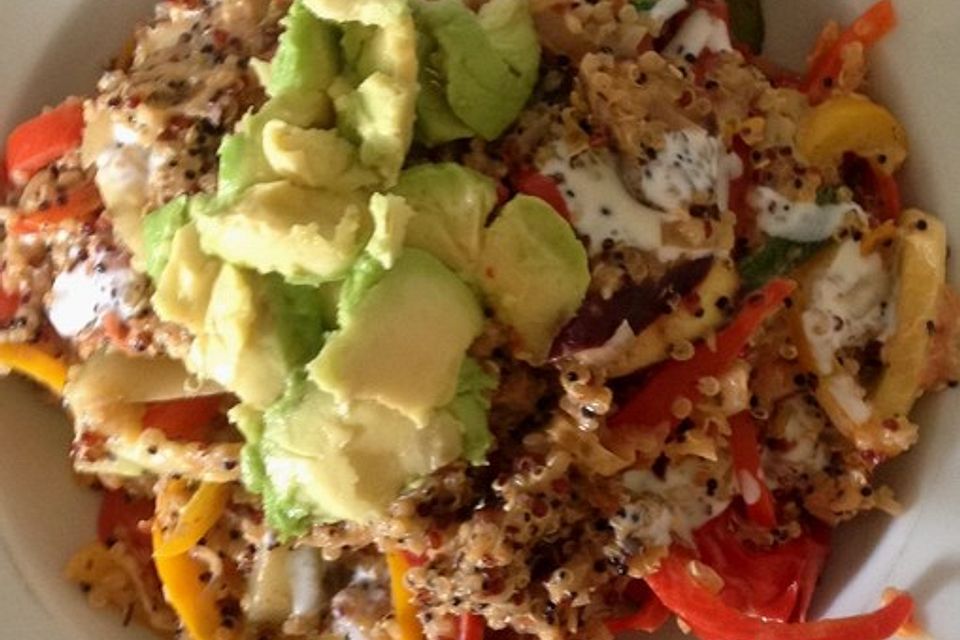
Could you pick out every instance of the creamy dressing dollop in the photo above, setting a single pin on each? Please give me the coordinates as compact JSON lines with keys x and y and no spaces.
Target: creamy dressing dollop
{"x":702,"y":30}
{"x":80,"y":297}
{"x":781,"y":217}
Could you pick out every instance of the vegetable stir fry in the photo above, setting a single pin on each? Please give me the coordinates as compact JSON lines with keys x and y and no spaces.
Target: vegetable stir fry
{"x":423,"y":319}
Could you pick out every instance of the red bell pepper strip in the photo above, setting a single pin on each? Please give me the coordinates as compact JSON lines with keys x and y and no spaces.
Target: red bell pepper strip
{"x":187,"y":420}
{"x":533,"y":183}
{"x":746,"y":465}
{"x":888,"y":195}
{"x":653,"y":404}
{"x":119,"y":519}
{"x":82,"y":204}
{"x":9,"y":304}
{"x":36,"y":143}
{"x":712,"y":619}
{"x":650,"y":616}
{"x":866,"y":30}
{"x":471,"y":627}
{"x":771,"y":582}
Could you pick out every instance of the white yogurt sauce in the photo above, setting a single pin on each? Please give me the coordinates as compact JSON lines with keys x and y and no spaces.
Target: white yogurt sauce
{"x":691,"y":162}
{"x":848,"y":304}
{"x":702,"y":30}
{"x":601,"y":206}
{"x":683,"y":490}
{"x":799,"y":221}
{"x":79,"y":298}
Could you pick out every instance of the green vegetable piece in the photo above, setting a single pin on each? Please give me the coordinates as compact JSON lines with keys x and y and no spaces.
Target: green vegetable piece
{"x":776,"y":257}
{"x":747,"y":24}
{"x":534,"y":271}
{"x":159,"y":227}
{"x":488,"y":63}
{"x":308,"y":55}
{"x":470,"y":407}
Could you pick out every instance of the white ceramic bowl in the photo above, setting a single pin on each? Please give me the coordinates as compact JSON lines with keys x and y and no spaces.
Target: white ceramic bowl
{"x":52,"y":48}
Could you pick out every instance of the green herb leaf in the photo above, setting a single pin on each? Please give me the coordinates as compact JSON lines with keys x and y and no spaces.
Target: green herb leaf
{"x":643,"y":5}
{"x":747,"y":24}
{"x":776,"y":257}
{"x":827,"y":195}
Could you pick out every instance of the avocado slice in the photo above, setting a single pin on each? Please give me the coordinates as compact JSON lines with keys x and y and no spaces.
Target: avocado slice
{"x":316,"y":158}
{"x":375,"y":95}
{"x":452,"y":204}
{"x":403,"y":343}
{"x":185,"y":284}
{"x":256,"y":332}
{"x":391,"y":215}
{"x":306,"y":235}
{"x":534,"y":271}
{"x":487,"y":64}
{"x":159,"y":228}
{"x":312,"y":462}
{"x":308,"y":55}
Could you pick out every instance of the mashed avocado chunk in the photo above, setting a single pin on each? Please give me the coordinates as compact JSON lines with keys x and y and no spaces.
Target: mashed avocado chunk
{"x":478,"y":70}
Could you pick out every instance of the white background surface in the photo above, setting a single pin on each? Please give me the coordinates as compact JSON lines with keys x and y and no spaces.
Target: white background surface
{"x":50,"y":48}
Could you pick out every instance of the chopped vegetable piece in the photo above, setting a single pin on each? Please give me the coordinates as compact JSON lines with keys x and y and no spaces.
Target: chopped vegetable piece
{"x":873,"y":188}
{"x":746,"y":464}
{"x":653,"y":404}
{"x":746,"y":23}
{"x":777,"y":257}
{"x":9,"y":304}
{"x":82,"y":204}
{"x":867,"y":30}
{"x":403,"y":607}
{"x":121,"y":517}
{"x":774,"y":582}
{"x":649,"y":617}
{"x":35,"y":363}
{"x":471,"y":627}
{"x":38,"y":142}
{"x":195,"y":518}
{"x":712,"y":619}
{"x":188,"y":420}
{"x":185,"y":588}
{"x":533,"y":183}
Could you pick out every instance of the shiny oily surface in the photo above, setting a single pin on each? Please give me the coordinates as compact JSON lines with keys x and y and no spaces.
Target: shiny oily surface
{"x":53,"y":48}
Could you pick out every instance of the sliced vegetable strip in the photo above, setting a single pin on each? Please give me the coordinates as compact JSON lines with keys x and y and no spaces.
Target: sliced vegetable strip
{"x":651,"y":615}
{"x":403,"y":606}
{"x":533,"y":183}
{"x":187,"y":420}
{"x":186,"y":590}
{"x":653,"y":404}
{"x":82,"y":205}
{"x":746,"y":464}
{"x":866,"y":30}
{"x":35,"y":363}
{"x":38,"y":142}
{"x":195,"y":519}
{"x":712,"y":619}
{"x":471,"y":627}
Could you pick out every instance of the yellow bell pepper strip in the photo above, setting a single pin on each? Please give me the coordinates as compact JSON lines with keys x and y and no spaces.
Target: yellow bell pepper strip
{"x":921,"y":274}
{"x":35,"y":363}
{"x":186,"y":591}
{"x":852,"y":124}
{"x":197,"y":517}
{"x":403,"y":606}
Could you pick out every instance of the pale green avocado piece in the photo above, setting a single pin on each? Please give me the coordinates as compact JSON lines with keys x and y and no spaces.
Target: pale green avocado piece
{"x":308,"y":54}
{"x":185,"y":284}
{"x":159,"y":228}
{"x":306,"y":235}
{"x":436,"y":122}
{"x":238,"y":346}
{"x":403,"y":343}
{"x":242,"y":159}
{"x":452,"y":204}
{"x":257,"y":331}
{"x":534,"y":271}
{"x":316,"y":158}
{"x":375,"y":95}
{"x":391,"y":215}
{"x":489,"y":63}
{"x":471,"y":406}
{"x":313,"y":462}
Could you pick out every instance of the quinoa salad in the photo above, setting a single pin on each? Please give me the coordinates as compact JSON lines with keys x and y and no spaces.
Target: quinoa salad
{"x":467,"y":319}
